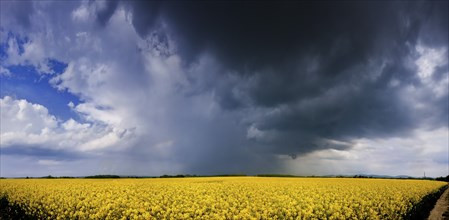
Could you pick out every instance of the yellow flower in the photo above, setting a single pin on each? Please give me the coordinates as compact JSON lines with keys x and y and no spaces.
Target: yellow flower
{"x":217,"y":198}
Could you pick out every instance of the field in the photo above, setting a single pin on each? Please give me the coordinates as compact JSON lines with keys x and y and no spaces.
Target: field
{"x":218,"y":198}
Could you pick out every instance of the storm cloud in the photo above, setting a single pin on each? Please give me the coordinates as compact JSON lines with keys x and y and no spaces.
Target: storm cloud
{"x":238,"y":86}
{"x":327,"y":70}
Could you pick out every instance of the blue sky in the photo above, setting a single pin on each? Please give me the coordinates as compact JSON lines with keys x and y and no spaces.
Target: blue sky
{"x":152,"y":88}
{"x":25,"y":82}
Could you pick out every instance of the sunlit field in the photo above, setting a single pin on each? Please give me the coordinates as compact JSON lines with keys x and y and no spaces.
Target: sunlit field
{"x":218,"y":198}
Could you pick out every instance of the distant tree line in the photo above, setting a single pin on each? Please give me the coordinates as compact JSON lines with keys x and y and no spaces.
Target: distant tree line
{"x":103,"y":177}
{"x":362,"y":176}
{"x":188,"y":175}
{"x":445,"y":179}
{"x":46,"y":177}
{"x":173,"y":176}
{"x":276,"y":175}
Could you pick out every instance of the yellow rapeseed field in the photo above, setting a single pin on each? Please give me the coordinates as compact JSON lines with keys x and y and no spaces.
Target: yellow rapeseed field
{"x":217,"y":198}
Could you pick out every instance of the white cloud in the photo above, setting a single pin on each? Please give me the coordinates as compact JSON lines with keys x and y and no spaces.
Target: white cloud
{"x":33,"y":53}
{"x":87,"y":10}
{"x":4,"y":71}
{"x":26,"y":124}
{"x":12,"y":51}
{"x":49,"y":162}
{"x":424,"y":151}
{"x":22,"y":116}
{"x":429,"y":59}
{"x":82,"y":13}
{"x":134,"y":101}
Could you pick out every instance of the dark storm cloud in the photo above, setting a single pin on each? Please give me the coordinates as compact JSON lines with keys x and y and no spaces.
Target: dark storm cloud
{"x":257,"y":35}
{"x":105,"y":12}
{"x":341,"y":114}
{"x":434,"y":24}
{"x":326,"y":68}
{"x":145,"y":15}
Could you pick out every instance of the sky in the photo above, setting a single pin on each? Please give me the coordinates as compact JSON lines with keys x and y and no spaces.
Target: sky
{"x":224,"y":87}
